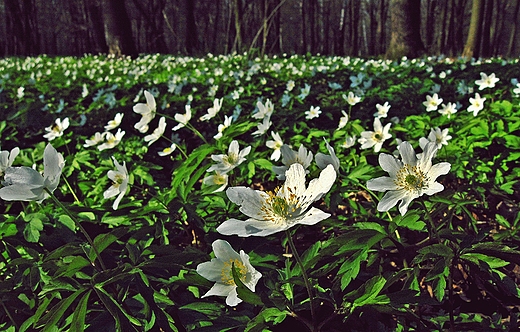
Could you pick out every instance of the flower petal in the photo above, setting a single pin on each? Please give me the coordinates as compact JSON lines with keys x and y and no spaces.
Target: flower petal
{"x":390,"y":199}
{"x":211,"y":270}
{"x":382,"y":183}
{"x":390,"y":164}
{"x":407,"y":153}
{"x":312,"y":217}
{"x":250,"y":227}
{"x":224,"y":251}
{"x":250,"y":200}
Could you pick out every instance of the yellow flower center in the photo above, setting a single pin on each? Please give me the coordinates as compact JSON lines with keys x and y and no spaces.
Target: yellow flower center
{"x":377,"y":137}
{"x":279,"y":209}
{"x":230,"y":159}
{"x":219,"y":179}
{"x":227,"y":272}
{"x":118,"y":179}
{"x":411,"y":178}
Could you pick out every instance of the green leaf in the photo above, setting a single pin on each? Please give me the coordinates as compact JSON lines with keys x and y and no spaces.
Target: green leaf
{"x":34,"y":226}
{"x":265,"y":316}
{"x":101,"y":242}
{"x":67,"y":221}
{"x":124,"y":321}
{"x":78,"y":318}
{"x":68,"y":270}
{"x":367,"y":293}
{"x":350,"y":268}
{"x":244,"y":293}
{"x":50,"y":320}
{"x":410,"y":221}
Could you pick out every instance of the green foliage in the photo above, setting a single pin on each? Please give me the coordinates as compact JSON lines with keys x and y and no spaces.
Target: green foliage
{"x":135,"y":268}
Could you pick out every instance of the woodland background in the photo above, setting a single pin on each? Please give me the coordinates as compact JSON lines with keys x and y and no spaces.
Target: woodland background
{"x":394,"y":28}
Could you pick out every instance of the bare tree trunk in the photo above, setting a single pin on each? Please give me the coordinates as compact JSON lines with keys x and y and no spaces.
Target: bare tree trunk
{"x":405,"y":29}
{"x":471,"y":47}
{"x":192,"y":44}
{"x":117,"y":28}
{"x":22,"y":27}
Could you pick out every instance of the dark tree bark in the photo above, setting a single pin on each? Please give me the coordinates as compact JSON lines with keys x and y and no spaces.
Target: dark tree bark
{"x":405,"y":29}
{"x":118,"y":29}
{"x":21,"y":26}
{"x":471,"y":47}
{"x":192,"y":44}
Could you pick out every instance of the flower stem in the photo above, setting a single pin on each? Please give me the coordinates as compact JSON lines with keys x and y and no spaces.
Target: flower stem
{"x":304,"y":274}
{"x":78,"y":224}
{"x":433,"y":230}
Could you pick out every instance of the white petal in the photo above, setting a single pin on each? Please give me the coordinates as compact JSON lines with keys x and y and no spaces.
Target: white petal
{"x":403,"y":207}
{"x":407,"y":153}
{"x":390,"y":199}
{"x":219,"y":289}
{"x":21,"y":193}
{"x":312,"y":217}
{"x":390,"y":164}
{"x":111,"y":192}
{"x":232,"y":299}
{"x":320,"y":186}
{"x":438,"y":170}
{"x":434,"y":188}
{"x":211,"y":270}
{"x":383,"y":183}
{"x":295,"y":180}
{"x":250,"y":201}
{"x":118,"y":199}
{"x":224,"y":251}
{"x":250,"y":227}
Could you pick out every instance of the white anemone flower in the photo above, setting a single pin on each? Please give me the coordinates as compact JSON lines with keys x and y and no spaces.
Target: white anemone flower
{"x":183,"y":119}
{"x":410,"y":177}
{"x":313,"y":113}
{"x":219,"y":270}
{"x":343,"y":120}
{"x":111,"y":140}
{"x":477,"y":104}
{"x":432,"y":102}
{"x":276,"y":144}
{"x":290,"y":157}
{"x":275,"y":211}
{"x":168,"y":150}
{"x":217,"y":179}
{"x":7,"y":159}
{"x":27,"y":184}
{"x":264,"y":110}
{"x":57,"y":129}
{"x":351,"y":99}
{"x":263,"y":126}
{"x":119,"y":183}
{"x":157,"y":133}
{"x":382,"y":110}
{"x":349,"y":142}
{"x":226,"y":162}
{"x":448,"y":110}
{"x":212,"y":111}
{"x":147,"y":111}
{"x":375,"y":138}
{"x":438,"y":136}
{"x":94,"y":139}
{"x":221,"y":127}
{"x":322,"y":160}
{"x":113,"y":124}
{"x":486,"y":81}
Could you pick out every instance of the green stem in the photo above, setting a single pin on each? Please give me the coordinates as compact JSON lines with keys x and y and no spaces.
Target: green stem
{"x":78,"y":224}
{"x":433,"y":230}
{"x":304,"y":274}
{"x":71,"y":191}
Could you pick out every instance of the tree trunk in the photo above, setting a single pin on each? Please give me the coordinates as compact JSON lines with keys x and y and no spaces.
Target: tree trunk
{"x":118,"y":28}
{"x":405,"y":16}
{"x":471,"y":47}
{"x":191,"y":28}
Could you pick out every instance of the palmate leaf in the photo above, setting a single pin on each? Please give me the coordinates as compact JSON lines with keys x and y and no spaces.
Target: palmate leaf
{"x":367,"y":294}
{"x":124,"y":321}
{"x":50,"y":320}
{"x":78,"y":318}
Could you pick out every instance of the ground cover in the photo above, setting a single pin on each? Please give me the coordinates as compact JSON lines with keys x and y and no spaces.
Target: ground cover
{"x":229,"y":193}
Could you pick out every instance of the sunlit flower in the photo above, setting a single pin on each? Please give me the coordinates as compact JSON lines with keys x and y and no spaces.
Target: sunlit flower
{"x":432,"y":102}
{"x":94,"y":139}
{"x":226,"y":162}
{"x":486,"y":81}
{"x":356,"y":80}
{"x":477,"y":104}
{"x":290,"y":85}
{"x":351,"y":99}
{"x":57,"y":129}
{"x":314,"y":112}
{"x":217,"y":179}
{"x":438,"y":136}
{"x":221,"y":127}
{"x":281,"y":209}
{"x":349,"y":142}
{"x":20,"y":92}
{"x":448,"y":109}
{"x":7,"y":158}
{"x":27,"y":184}
{"x":219,"y":270}
{"x":323,"y":160}
{"x":516,"y":90}
{"x":304,"y":92}
{"x":343,"y":120}
{"x":290,"y":157}
{"x":119,"y":179}
{"x":375,"y":138}
{"x":409,"y":177}
{"x":263,"y":126}
{"x":168,"y":150}
{"x":264,"y":110}
{"x":147,"y":112}
{"x":183,"y":119}
{"x":276,"y":145}
{"x":212,"y":111}
{"x":113,"y":124}
{"x":157,"y":133}
{"x":382,"y":110}
{"x":111,"y":140}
